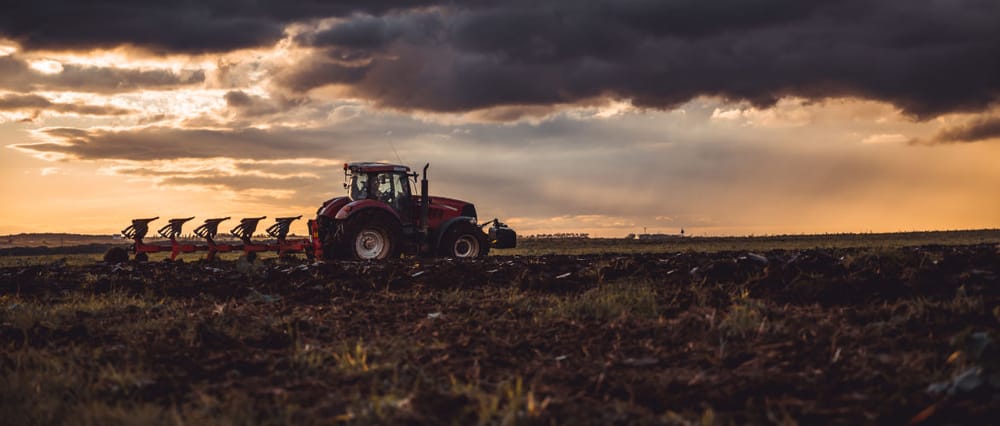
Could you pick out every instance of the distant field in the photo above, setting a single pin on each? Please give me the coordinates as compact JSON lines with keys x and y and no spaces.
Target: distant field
{"x":54,"y":240}
{"x":35,"y":249}
{"x":764,"y":243}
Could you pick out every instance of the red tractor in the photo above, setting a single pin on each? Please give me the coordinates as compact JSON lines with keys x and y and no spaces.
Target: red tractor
{"x":381,"y":218}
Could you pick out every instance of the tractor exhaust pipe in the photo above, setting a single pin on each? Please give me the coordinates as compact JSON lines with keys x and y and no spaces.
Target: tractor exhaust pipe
{"x":425,"y":203}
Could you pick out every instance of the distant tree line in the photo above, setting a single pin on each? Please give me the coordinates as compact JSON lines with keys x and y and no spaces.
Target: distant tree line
{"x":563,"y":235}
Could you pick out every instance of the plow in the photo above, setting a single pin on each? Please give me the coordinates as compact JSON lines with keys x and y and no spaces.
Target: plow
{"x":209,"y":230}
{"x":379,"y":218}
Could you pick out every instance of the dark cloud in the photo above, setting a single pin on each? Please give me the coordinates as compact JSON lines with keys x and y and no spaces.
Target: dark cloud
{"x":38,"y":104}
{"x":169,"y":25}
{"x":319,"y":72}
{"x":371,"y":32}
{"x":161,"y":143}
{"x":244,"y":105}
{"x":980,"y":129}
{"x":17,"y":75}
{"x":926,"y":57}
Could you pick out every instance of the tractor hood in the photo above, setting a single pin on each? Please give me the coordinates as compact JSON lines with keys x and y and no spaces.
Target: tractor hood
{"x":453,"y":207}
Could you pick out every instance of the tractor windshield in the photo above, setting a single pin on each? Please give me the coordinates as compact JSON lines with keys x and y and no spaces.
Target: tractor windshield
{"x":359,"y":186}
{"x":392,"y":188}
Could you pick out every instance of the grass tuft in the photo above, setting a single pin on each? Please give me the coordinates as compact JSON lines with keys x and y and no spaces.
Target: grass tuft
{"x":609,"y":301}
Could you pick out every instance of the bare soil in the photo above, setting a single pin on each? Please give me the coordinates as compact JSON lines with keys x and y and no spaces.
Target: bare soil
{"x":849,"y":336}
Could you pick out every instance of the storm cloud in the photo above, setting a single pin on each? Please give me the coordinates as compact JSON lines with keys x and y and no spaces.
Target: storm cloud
{"x":168,"y":25}
{"x":980,"y":129}
{"x":925,"y":57}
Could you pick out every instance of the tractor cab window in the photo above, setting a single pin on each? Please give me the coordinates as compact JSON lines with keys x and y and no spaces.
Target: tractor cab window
{"x":394,"y":190}
{"x":383,"y":188}
{"x":403,"y":203}
{"x":359,"y":186}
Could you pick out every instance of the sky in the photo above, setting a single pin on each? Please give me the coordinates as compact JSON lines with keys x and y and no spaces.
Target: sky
{"x":610,"y":117}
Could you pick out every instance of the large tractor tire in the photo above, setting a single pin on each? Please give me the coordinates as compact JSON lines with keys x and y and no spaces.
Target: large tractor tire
{"x":372,"y":235}
{"x":464,"y":240}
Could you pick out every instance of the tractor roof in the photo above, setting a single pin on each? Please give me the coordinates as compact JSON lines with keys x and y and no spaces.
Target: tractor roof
{"x":368,"y":167}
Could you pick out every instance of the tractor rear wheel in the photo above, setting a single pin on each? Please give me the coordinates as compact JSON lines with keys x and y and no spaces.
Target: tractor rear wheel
{"x":464,"y":241}
{"x":372,"y":236}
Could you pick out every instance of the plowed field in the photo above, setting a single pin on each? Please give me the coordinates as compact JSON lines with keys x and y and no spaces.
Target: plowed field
{"x":851,"y":336}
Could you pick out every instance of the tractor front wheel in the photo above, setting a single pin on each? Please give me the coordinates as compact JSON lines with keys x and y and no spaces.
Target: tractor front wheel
{"x":464,"y":241}
{"x":372,"y":236}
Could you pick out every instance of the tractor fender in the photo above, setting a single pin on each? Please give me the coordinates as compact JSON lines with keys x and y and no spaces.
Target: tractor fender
{"x":332,"y":206}
{"x":356,"y":206}
{"x":443,"y":229}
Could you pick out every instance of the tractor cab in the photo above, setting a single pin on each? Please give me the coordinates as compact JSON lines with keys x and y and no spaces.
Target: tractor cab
{"x":385,"y":183}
